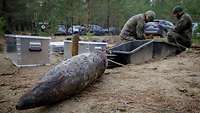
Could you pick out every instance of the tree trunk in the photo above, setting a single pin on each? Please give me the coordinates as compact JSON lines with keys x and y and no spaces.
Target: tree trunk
{"x":88,"y":7}
{"x":108,"y":15}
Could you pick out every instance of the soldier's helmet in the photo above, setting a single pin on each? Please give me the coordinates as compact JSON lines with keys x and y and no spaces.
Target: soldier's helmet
{"x":177,"y":9}
{"x":151,"y":15}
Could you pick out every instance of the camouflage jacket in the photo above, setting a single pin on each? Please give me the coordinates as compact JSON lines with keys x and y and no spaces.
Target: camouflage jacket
{"x":134,"y":27}
{"x":184,"y":27}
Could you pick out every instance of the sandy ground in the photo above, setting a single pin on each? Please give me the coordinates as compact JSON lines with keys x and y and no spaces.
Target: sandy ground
{"x":170,"y":85}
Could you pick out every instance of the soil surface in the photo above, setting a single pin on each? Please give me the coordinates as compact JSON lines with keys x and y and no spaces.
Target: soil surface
{"x":170,"y":85}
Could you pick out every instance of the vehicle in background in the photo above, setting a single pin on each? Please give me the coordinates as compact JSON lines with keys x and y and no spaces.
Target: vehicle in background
{"x":153,"y":28}
{"x":194,"y":26}
{"x":158,"y":28}
{"x":167,"y":25}
{"x":61,"y":30}
{"x":92,"y":28}
{"x":96,"y":30}
{"x":196,"y":29}
{"x":112,"y":31}
{"x":77,"y":29}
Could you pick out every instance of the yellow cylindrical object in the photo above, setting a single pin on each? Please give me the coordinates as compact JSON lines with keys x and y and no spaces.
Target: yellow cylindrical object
{"x":75,"y":42}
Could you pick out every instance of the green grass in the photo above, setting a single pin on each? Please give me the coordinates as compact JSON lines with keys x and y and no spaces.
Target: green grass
{"x":196,"y":40}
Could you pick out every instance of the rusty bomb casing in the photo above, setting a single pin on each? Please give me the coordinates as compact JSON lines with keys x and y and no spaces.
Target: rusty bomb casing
{"x":64,"y":80}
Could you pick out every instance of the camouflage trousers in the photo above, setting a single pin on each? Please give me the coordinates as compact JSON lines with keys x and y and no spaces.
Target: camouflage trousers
{"x":128,"y":38}
{"x":178,"y":39}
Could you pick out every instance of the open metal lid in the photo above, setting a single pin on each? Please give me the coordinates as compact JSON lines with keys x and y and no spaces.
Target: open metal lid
{"x":27,"y":36}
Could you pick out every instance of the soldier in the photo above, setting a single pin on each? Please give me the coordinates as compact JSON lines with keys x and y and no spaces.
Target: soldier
{"x":182,"y":34}
{"x":134,"y":27}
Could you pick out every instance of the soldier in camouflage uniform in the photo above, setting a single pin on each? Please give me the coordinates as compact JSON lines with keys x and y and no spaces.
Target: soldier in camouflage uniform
{"x":182,"y":34}
{"x":134,"y":27}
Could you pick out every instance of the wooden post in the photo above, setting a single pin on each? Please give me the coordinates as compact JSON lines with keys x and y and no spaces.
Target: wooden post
{"x":75,"y":43}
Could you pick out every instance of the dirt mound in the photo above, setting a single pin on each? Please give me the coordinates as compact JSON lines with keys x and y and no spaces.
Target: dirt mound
{"x":170,"y":85}
{"x":6,"y":67}
{"x":2,"y":43}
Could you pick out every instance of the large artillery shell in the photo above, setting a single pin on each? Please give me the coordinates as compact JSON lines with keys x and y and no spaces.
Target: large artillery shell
{"x":64,"y":80}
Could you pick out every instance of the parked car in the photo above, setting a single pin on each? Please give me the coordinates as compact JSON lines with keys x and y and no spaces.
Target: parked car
{"x":96,"y":30}
{"x":153,"y":28}
{"x":112,"y":30}
{"x":194,"y":26}
{"x":61,"y":30}
{"x":167,"y":25}
{"x":158,"y":27}
{"x":77,"y":29}
{"x":196,"y":29}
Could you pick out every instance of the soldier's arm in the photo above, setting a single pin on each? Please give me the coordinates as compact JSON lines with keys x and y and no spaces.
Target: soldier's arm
{"x":140,"y":30}
{"x":125,"y":32}
{"x":182,"y":25}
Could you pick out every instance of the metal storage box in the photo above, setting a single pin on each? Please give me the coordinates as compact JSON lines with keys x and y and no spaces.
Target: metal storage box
{"x":57,"y":47}
{"x":27,"y":50}
{"x":84,"y":47}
